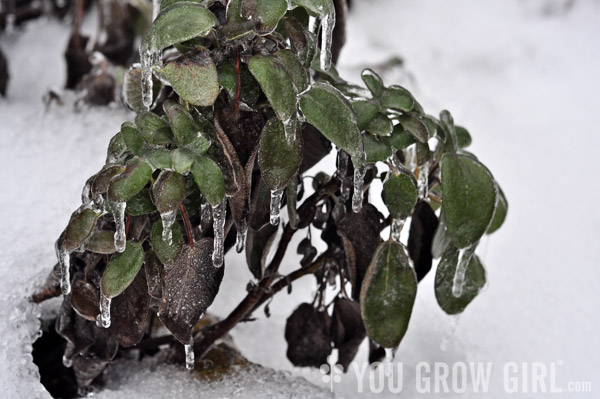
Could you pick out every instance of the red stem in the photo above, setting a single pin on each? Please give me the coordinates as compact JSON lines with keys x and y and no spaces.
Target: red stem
{"x":188,"y":226}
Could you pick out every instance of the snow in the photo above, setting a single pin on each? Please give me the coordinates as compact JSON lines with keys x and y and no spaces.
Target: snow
{"x":521,"y":75}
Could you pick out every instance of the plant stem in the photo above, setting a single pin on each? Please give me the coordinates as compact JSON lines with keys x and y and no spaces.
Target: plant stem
{"x":188,"y":226}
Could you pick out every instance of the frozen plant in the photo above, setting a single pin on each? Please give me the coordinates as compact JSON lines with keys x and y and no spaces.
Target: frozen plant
{"x":253,"y":103}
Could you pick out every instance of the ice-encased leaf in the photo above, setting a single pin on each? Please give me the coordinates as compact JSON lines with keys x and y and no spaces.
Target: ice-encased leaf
{"x":366,"y":111}
{"x":373,"y":82}
{"x":127,"y":184}
{"x":155,"y":129}
{"x":307,"y":336}
{"x":184,"y":127}
{"x":268,"y":12}
{"x":276,"y":83}
{"x":177,"y":23}
{"x":209,"y":178}
{"x":463,"y":138}
{"x":154,"y":274}
{"x":397,"y":98}
{"x":168,"y":191}
{"x":116,"y":148}
{"x":380,"y":125}
{"x":301,"y":41}
{"x":132,"y":137}
{"x":164,"y":251}
{"x":500,"y":213}
{"x":250,"y":90}
{"x":190,"y":286}
{"x":470,"y":195}
{"x":85,"y":299}
{"x":420,"y":238}
{"x":400,"y":138}
{"x":399,"y":195}
{"x":278,"y":158}
{"x":388,"y":294}
{"x":377,"y":150}
{"x":294,"y":68}
{"x":80,"y":227}
{"x":140,"y":204}
{"x":132,"y":88}
{"x":474,"y":280}
{"x":101,"y":242}
{"x":129,"y":312}
{"x":326,"y":108}
{"x":194,"y":77}
{"x":224,"y":154}
{"x":122,"y":269}
{"x":415,"y":126}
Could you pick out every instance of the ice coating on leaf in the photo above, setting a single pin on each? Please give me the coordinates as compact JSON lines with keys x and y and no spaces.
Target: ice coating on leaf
{"x":205,"y":212}
{"x":275,"y":206}
{"x":168,"y":219}
{"x":327,"y":25}
{"x":218,"y":214}
{"x":397,"y":225}
{"x":423,"y":182}
{"x":118,"y":211}
{"x":360,"y":169}
{"x":464,"y":258}
{"x":189,"y":356}
{"x":103,"y":319}
{"x":64,"y":259}
{"x":240,"y":237}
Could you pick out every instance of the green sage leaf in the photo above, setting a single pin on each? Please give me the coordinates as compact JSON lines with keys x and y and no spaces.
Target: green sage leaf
{"x":209,"y":178}
{"x":122,"y":269}
{"x":165,"y":252}
{"x":278,"y":158}
{"x":80,"y":227}
{"x":399,"y":195}
{"x":127,"y":184}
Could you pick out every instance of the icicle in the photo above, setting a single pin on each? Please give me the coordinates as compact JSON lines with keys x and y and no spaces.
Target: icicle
{"x":360,"y":169}
{"x":423,"y":182}
{"x":218,"y":214}
{"x":103,"y":319}
{"x":289,"y":127}
{"x":148,"y":60}
{"x":189,"y":355}
{"x":240,"y":237}
{"x":464,"y":258}
{"x":205,"y":213}
{"x":118,"y":211}
{"x":397,"y":225}
{"x":327,"y":25}
{"x":275,"y":206}
{"x":342,"y":171}
{"x":409,"y":155}
{"x":312,"y":24}
{"x":64,"y":259}
{"x":67,"y":362}
{"x":155,"y":8}
{"x":168,"y":218}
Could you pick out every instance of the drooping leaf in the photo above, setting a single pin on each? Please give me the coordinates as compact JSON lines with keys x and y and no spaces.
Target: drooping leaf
{"x":224,"y":154}
{"x":326,"y":109}
{"x":165,"y":252}
{"x":101,"y":242}
{"x":194,"y":78}
{"x":399,"y":195}
{"x":444,"y":280}
{"x":300,"y":40}
{"x":415,"y":126}
{"x":140,"y":204}
{"x":307,"y":336}
{"x":102,"y":179}
{"x":500,"y":214}
{"x":132,"y":88}
{"x":177,"y":23}
{"x":154,"y":274}
{"x":129,"y":312}
{"x":347,"y":329}
{"x":85,"y":299}
{"x":127,"y":184}
{"x":209,"y":179}
{"x":294,"y":68}
{"x":470,"y":195}
{"x":79,"y":229}
{"x":258,"y":245}
{"x":397,"y":98}
{"x":276,"y":83}
{"x":190,"y":286}
{"x":122,"y":269}
{"x":278,"y":158}
{"x":388,"y":294}
{"x":420,"y":238}
{"x":168,"y":191}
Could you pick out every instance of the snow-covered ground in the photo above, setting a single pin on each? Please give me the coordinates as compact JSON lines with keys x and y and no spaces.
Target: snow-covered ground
{"x":521,"y":75}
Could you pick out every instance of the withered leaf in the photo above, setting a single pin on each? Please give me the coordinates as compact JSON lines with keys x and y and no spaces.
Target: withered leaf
{"x":129,"y":312}
{"x":347,"y":329}
{"x":308,"y":252}
{"x":154,"y":274}
{"x":420,"y":237}
{"x":258,"y":244}
{"x":190,"y":287}
{"x":307,"y":336}
{"x":91,"y":362}
{"x":85,"y":299}
{"x":225,"y":155}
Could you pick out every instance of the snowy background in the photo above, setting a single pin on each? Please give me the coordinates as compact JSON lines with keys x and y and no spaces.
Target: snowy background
{"x":522,"y":76}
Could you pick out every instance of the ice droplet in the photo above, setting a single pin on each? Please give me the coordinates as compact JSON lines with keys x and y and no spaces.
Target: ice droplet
{"x":168,"y":219}
{"x":189,"y":355}
{"x":64,"y":259}
{"x":118,"y":211}
{"x":103,"y":319}
{"x":218,"y":214}
{"x":240,"y":237}
{"x":397,"y":225}
{"x":327,"y":25}
{"x":423,"y":182}
{"x":66,"y":361}
{"x":275,"y":206}
{"x":464,"y":257}
{"x":360,"y":169}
